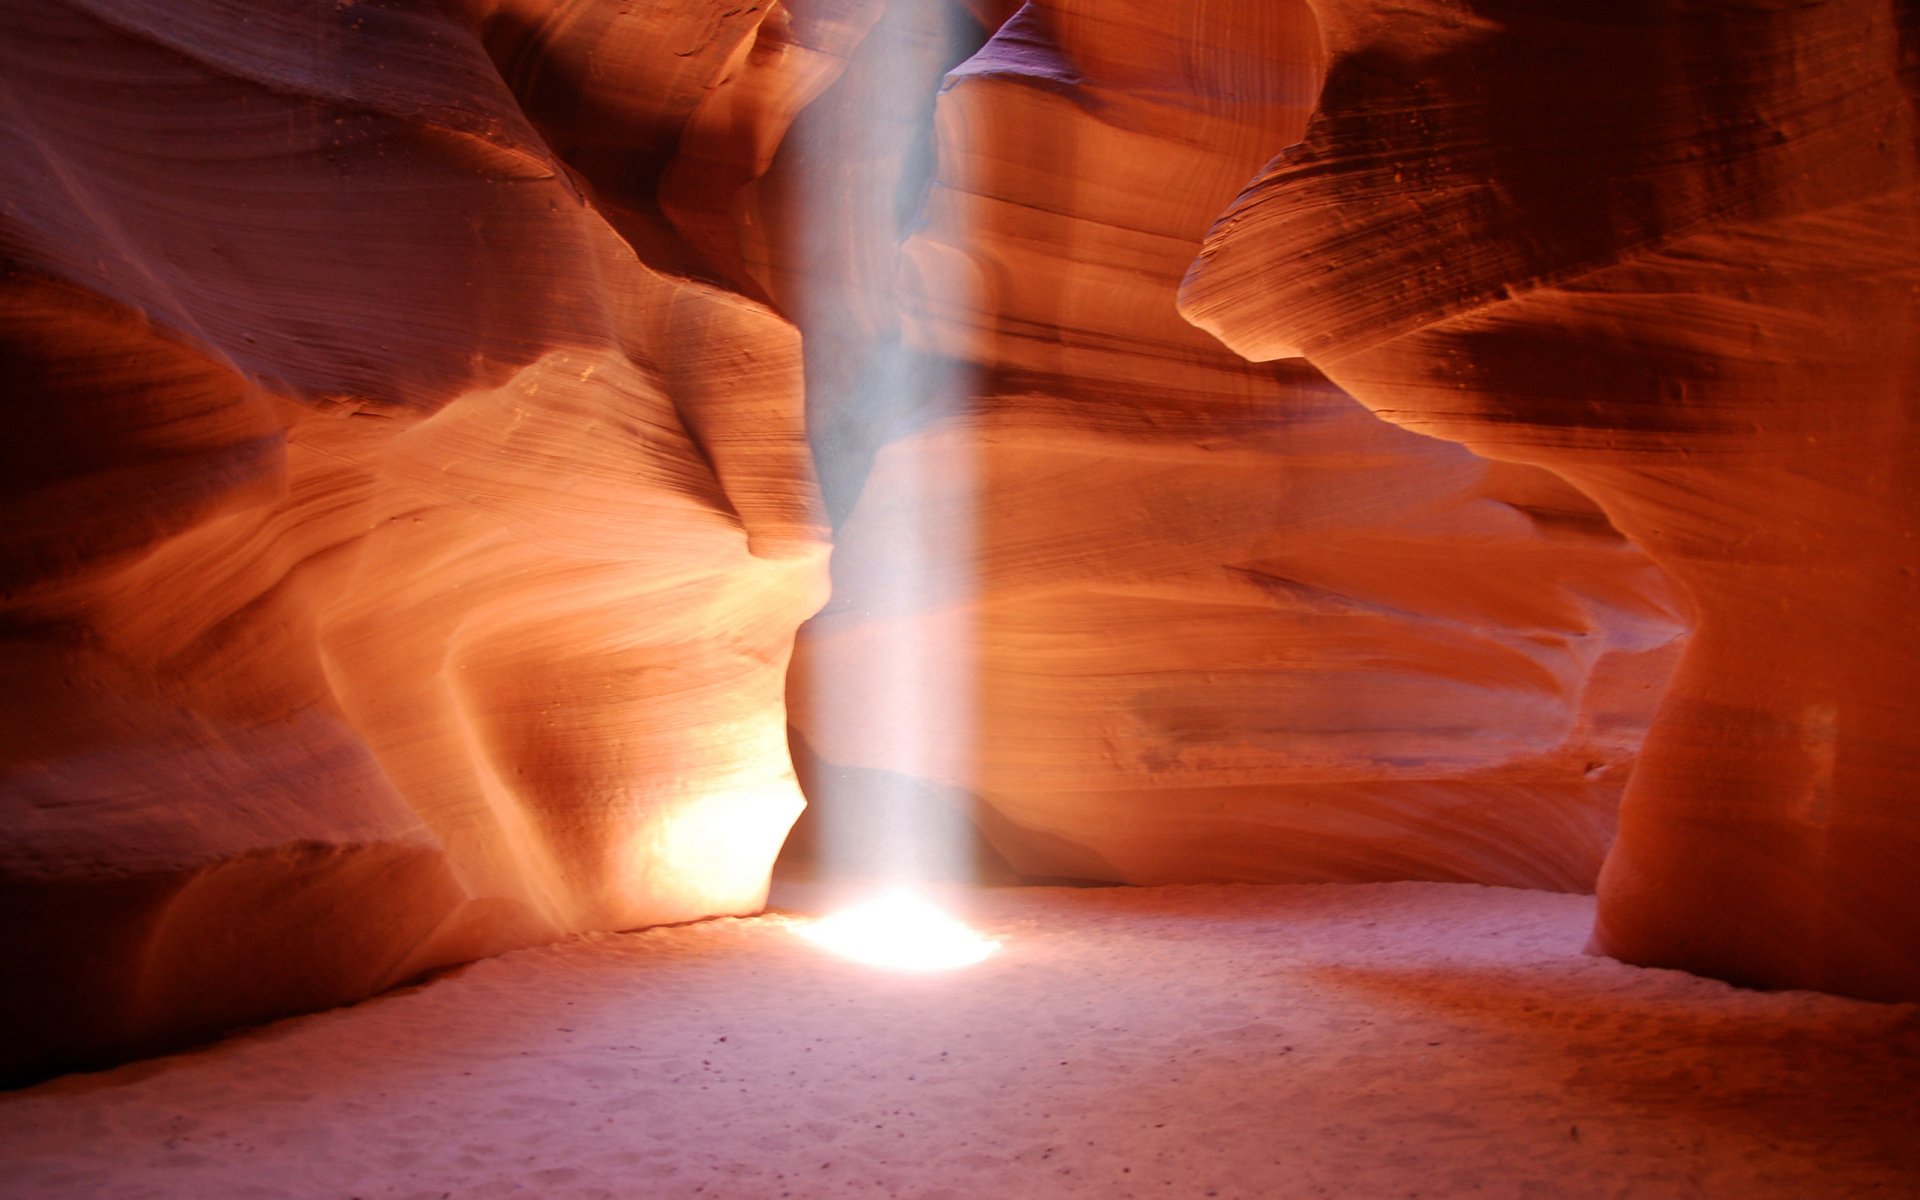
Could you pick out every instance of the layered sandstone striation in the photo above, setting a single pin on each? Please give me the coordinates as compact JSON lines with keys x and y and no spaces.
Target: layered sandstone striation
{"x":409,"y":497}
{"x":403,"y":524}
{"x":1176,"y":615}
{"x":1670,"y":251}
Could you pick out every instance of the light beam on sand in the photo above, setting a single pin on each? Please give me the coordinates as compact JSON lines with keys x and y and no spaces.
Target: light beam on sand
{"x":900,"y":931}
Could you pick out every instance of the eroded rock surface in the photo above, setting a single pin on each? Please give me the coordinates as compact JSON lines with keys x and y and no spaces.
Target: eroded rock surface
{"x":402,"y":545}
{"x":1177,"y":615}
{"x":1672,"y":252}
{"x":408,"y":511}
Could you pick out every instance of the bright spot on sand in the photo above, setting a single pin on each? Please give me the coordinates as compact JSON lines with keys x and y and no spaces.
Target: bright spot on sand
{"x":902,"y":932}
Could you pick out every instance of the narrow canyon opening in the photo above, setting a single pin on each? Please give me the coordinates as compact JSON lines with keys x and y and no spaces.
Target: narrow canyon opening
{"x":1337,"y":575}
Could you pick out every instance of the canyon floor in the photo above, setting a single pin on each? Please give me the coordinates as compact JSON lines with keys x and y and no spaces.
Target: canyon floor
{"x":1390,"y":1040}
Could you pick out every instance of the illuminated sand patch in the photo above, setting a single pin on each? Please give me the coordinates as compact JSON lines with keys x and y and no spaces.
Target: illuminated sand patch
{"x":900,"y":931}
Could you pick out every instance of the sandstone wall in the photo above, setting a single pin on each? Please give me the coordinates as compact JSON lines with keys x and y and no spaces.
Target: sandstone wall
{"x":1181,"y":616}
{"x":413,"y":412}
{"x":1667,"y":250}
{"x":403,"y":526}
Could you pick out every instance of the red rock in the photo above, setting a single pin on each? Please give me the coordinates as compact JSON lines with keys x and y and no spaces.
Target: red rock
{"x":401,"y":553}
{"x":1182,"y":616}
{"x":408,"y":500}
{"x":1667,"y":251}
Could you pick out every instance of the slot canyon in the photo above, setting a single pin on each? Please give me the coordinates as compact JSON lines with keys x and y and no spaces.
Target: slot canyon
{"x":1367,"y":548}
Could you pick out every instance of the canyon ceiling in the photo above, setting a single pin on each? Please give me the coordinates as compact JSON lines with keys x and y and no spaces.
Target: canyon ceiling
{"x":455,"y":448}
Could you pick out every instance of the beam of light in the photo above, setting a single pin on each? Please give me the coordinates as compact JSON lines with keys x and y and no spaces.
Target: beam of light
{"x":891,"y":666}
{"x":900,"y":931}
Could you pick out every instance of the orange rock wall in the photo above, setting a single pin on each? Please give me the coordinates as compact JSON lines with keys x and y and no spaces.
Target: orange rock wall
{"x":402,"y":545}
{"x":1668,"y":251}
{"x":1183,"y":616}
{"x":413,"y":413}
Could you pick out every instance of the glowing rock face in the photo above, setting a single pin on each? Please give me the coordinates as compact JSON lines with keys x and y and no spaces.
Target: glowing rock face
{"x":1210,"y":619}
{"x":399,"y":554}
{"x":900,"y":931}
{"x":400,"y":545}
{"x":1666,"y":251}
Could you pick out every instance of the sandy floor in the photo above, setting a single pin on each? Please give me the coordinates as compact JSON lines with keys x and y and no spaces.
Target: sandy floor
{"x":1376,"y":1041}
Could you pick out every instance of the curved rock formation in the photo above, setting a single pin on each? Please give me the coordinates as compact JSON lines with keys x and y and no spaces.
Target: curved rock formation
{"x":408,"y":510}
{"x":1668,"y":250}
{"x":1179,"y":616}
{"x":401,"y":545}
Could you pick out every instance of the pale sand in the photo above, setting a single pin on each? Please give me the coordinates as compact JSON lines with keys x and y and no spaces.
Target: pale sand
{"x":1363,"y":1041}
